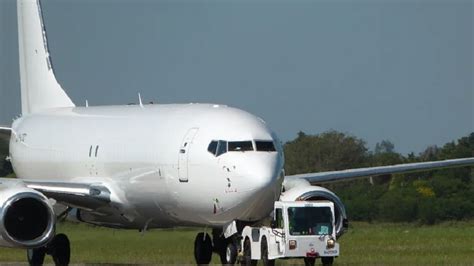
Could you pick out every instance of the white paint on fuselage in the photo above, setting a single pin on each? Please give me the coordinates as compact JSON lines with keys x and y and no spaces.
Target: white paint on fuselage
{"x":138,"y":153}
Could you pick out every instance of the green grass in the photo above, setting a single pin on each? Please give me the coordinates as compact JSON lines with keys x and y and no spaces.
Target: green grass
{"x":408,"y":244}
{"x":364,"y":244}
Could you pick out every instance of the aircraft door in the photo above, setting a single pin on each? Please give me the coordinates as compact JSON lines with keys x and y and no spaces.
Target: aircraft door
{"x":184,"y":154}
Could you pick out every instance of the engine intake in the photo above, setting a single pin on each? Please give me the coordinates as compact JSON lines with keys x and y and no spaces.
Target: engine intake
{"x":26,"y":218}
{"x":303,"y":191}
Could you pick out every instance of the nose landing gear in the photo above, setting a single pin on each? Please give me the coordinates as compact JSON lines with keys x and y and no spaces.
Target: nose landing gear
{"x":225,"y":248}
{"x":230,"y":254}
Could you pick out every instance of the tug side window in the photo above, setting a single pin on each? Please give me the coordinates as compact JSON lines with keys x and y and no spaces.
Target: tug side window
{"x":279,"y":218}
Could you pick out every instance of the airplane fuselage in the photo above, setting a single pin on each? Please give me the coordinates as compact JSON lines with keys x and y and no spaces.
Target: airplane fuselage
{"x":162,"y":162}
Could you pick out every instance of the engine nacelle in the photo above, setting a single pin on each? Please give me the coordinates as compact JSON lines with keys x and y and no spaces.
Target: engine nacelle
{"x":27,"y":219}
{"x":301,"y":190}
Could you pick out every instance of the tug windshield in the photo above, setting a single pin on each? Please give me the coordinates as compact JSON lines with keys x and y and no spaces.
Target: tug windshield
{"x":310,"y":221}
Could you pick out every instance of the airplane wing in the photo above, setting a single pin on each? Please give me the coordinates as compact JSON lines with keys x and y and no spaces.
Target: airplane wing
{"x":97,"y":202}
{"x":5,"y":133}
{"x":87,"y":196}
{"x":336,"y":176}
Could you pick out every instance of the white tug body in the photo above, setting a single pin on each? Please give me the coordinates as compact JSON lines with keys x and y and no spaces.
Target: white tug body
{"x":300,"y":229}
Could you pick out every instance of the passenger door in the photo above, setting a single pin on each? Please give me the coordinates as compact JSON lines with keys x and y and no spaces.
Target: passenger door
{"x":183,"y":155}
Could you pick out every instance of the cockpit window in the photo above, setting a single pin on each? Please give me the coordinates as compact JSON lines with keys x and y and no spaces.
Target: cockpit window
{"x":265,"y":145}
{"x":221,"y":147}
{"x":240,"y":146}
{"x":212,"y":147}
{"x":217,"y":147}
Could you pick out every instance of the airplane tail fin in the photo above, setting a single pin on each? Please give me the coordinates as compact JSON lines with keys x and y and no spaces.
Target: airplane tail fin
{"x":39,"y":87}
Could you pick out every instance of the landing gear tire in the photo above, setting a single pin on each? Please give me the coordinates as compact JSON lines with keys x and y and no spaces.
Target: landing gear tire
{"x":264,"y":252}
{"x":247,"y":258}
{"x":230,"y":255}
{"x":36,"y":256}
{"x":327,"y":261}
{"x":202,"y":248}
{"x":309,"y":261}
{"x":60,"y":250}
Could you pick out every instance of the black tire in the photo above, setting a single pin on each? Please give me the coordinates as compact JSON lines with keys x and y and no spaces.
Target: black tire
{"x":230,"y":254}
{"x":203,"y":248}
{"x":327,"y":261}
{"x":264,"y":250}
{"x":247,"y":257}
{"x":36,"y":256}
{"x":221,"y":247}
{"x":309,"y":261}
{"x":60,"y":250}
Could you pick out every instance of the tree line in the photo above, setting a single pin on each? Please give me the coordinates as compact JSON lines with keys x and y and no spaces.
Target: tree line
{"x":426,"y":197}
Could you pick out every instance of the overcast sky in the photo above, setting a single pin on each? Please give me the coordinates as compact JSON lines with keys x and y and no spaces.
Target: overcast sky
{"x":396,"y":70}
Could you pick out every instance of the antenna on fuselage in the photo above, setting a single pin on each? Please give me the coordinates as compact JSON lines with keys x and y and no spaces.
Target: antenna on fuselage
{"x":140,"y":100}
{"x":87,"y":103}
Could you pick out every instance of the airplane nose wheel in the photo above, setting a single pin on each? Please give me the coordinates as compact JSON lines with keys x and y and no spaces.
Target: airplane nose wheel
{"x":230,"y":253}
{"x":203,"y":248}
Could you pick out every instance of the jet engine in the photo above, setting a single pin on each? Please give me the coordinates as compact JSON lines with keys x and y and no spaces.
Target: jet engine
{"x":27,"y":219}
{"x":301,"y":190}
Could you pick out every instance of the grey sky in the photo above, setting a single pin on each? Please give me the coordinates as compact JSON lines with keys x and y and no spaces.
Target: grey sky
{"x":397,"y":70}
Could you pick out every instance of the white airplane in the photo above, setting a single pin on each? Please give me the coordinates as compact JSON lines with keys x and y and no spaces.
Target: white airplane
{"x":142,"y":166}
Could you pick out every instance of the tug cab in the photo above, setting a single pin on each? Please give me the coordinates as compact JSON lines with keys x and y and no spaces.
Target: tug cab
{"x":299,"y":229}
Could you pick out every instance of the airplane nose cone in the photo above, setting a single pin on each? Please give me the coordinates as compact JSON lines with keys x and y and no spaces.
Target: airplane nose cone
{"x":262,"y":172}
{"x":263,"y":183}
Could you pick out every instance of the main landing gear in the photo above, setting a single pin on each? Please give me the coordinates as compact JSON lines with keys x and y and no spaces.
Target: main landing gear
{"x":203,"y":248}
{"x":59,"y":248}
